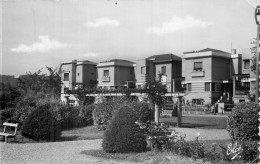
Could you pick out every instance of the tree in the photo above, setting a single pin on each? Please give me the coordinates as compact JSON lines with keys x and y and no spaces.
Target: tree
{"x":38,"y":82}
{"x":156,"y":92}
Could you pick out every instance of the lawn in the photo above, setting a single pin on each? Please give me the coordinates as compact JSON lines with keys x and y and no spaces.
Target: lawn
{"x":91,"y":132}
{"x":202,"y":122}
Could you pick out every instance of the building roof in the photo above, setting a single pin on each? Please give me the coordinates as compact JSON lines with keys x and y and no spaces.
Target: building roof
{"x":164,"y":58}
{"x":116,"y":62}
{"x":86,"y":62}
{"x":206,"y":50}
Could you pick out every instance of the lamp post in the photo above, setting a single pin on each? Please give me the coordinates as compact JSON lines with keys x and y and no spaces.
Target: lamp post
{"x":257,"y":19}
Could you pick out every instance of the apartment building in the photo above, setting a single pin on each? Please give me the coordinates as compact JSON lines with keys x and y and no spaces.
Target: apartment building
{"x":75,"y":74}
{"x":208,"y":75}
{"x":164,"y":67}
{"x":115,"y":73}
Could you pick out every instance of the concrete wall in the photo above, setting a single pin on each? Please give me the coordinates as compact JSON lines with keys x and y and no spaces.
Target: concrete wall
{"x":90,"y":73}
{"x":236,"y":64}
{"x":123,"y":74}
{"x":111,"y":81}
{"x":191,"y":75}
{"x":142,"y":78}
{"x":71,"y":69}
{"x":221,"y":69}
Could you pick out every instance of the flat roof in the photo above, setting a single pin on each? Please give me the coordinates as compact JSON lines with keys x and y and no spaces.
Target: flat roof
{"x":207,"y":52}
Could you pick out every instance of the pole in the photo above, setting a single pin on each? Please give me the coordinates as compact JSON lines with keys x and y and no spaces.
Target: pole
{"x":156,"y":114}
{"x":179,"y":112}
{"x":257,"y":67}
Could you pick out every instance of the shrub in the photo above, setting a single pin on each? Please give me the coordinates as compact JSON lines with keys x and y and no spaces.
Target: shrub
{"x":243,"y":122}
{"x":21,"y":113}
{"x":122,"y":134}
{"x":250,"y":151}
{"x":104,"y":110}
{"x":144,"y":112}
{"x":41,"y":125}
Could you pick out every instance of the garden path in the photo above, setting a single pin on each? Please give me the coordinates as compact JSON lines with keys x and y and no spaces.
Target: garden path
{"x":70,"y":151}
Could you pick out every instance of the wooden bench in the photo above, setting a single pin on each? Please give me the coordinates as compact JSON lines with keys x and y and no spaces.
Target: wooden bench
{"x":6,"y":134}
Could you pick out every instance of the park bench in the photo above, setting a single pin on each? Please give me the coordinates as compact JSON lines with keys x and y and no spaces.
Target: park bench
{"x":8,"y":133}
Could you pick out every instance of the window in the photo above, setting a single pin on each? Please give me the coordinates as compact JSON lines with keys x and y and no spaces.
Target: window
{"x":246,"y":64}
{"x":131,"y":72}
{"x":213,"y":87}
{"x":163,"y":70}
{"x":147,"y":70}
{"x":189,"y":87}
{"x":207,"y":86}
{"x":142,"y":70}
{"x":197,"y":101}
{"x":66,"y":77}
{"x":66,"y":90}
{"x":198,"y":66}
{"x":106,"y":72}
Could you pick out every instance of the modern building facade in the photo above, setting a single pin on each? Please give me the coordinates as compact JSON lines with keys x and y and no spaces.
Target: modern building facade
{"x":115,"y":73}
{"x":208,"y":75}
{"x":164,"y":67}
{"x":76,"y":74}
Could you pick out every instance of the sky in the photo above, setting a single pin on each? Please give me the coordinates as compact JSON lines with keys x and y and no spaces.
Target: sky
{"x":39,"y":33}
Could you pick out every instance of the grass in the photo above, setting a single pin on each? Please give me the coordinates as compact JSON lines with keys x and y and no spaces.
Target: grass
{"x":91,"y":132}
{"x":149,"y":156}
{"x":165,"y":157}
{"x":205,"y":122}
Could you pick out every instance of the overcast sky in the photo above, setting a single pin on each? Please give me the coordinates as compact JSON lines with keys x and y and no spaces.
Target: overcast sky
{"x":39,"y":33}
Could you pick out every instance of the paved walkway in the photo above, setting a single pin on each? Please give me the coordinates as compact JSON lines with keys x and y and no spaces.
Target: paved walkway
{"x":70,"y":151}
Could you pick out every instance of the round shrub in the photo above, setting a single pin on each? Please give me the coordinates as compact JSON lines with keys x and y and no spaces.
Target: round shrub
{"x":123,"y":135}
{"x":243,"y":122}
{"x":41,"y":125}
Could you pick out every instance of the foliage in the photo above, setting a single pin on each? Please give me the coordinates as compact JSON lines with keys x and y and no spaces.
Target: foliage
{"x":38,"y":82}
{"x":250,"y":151}
{"x":243,"y":122}
{"x":74,"y":116}
{"x":161,"y":138}
{"x":155,"y":91}
{"x":6,"y":115}
{"x":41,"y":125}
{"x":104,"y":110}
{"x":9,"y":96}
{"x":122,"y":134}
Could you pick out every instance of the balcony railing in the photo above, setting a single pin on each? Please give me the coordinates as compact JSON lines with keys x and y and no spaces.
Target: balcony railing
{"x":106,"y":78}
{"x":198,"y":73}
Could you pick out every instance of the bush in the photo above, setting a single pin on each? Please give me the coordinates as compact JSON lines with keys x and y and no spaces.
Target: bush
{"x":143,"y":110}
{"x":123,"y":135}
{"x":74,"y":116}
{"x":104,"y":110}
{"x":41,"y":125}
{"x":250,"y":151}
{"x":21,"y":113}
{"x":243,"y":122}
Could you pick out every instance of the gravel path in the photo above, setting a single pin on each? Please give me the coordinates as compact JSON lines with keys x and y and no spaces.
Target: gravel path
{"x":70,"y":151}
{"x":48,"y":153}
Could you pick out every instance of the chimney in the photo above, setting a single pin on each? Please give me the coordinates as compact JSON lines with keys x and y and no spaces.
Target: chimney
{"x":233,"y":51}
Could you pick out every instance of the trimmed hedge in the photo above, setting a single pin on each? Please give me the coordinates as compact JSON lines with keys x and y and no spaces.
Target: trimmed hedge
{"x":41,"y":125}
{"x":243,"y":122}
{"x":123,"y":135}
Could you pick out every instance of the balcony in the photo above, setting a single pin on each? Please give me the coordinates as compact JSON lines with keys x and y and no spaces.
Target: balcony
{"x":106,"y":78}
{"x":198,"y":73}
